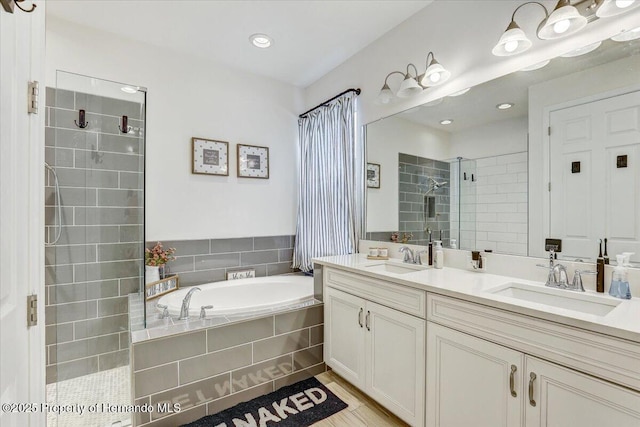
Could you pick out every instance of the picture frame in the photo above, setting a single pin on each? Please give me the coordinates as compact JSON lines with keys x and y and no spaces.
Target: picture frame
{"x":153,"y":290}
{"x":209,"y":157}
{"x":253,"y":161}
{"x":373,"y":175}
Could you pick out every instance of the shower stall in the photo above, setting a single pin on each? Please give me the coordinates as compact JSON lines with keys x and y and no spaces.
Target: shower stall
{"x":94,"y":232}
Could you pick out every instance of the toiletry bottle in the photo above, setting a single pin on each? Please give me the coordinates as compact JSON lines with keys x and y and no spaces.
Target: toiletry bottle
{"x":454,"y":244}
{"x":619,"y":282}
{"x":430,"y":249}
{"x":600,"y":271}
{"x":438,"y":255}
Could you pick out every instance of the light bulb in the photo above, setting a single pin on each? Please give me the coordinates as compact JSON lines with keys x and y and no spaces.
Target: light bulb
{"x":435,"y":77}
{"x":561,"y":26}
{"x":511,"y":45}
{"x":623,"y":3}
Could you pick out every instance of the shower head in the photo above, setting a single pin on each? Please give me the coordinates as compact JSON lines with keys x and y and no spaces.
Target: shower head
{"x":436,"y":184}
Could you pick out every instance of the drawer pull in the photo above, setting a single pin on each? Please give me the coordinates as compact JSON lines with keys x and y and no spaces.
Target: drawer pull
{"x":367,"y":320}
{"x":532,"y":378}
{"x":514,"y":368}
{"x":360,"y":317}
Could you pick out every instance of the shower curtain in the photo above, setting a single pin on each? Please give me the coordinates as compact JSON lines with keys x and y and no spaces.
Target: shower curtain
{"x":331,"y":184}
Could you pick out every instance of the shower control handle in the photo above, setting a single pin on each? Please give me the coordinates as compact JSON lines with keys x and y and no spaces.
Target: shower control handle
{"x":165,"y":311}
{"x":203,"y":312}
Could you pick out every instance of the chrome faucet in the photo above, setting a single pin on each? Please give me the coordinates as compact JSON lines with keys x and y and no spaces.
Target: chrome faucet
{"x":408,"y":255}
{"x":576,"y":284}
{"x":184,"y":310}
{"x":557,"y":274}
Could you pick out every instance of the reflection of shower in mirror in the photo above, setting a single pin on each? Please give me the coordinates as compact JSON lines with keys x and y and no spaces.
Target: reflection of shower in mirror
{"x":435,"y":185}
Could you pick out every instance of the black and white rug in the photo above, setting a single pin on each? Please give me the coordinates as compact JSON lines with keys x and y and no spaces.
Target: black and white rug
{"x":297,"y":405}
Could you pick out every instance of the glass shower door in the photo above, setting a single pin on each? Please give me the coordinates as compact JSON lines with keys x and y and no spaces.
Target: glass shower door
{"x":95,"y":237}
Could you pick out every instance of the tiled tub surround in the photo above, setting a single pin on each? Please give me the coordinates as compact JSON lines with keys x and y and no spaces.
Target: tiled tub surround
{"x":208,"y":260}
{"x":414,"y":173}
{"x":97,"y":261}
{"x":216,"y":367}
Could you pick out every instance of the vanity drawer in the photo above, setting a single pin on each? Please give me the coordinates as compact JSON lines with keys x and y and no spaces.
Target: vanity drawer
{"x":409,"y":300}
{"x":610,"y":358}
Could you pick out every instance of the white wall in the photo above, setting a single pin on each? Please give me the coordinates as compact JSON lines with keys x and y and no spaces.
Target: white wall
{"x":492,"y":139}
{"x":188,"y":97}
{"x":385,"y":139}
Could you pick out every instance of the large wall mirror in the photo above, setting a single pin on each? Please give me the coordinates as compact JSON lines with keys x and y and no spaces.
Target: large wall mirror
{"x":552,"y":150}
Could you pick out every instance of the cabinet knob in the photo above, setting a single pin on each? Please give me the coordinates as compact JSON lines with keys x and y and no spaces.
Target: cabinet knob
{"x":514,"y":368}
{"x":532,"y":378}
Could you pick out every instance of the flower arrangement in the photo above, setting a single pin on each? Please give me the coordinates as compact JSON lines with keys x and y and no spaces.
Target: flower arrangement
{"x":157,"y":255}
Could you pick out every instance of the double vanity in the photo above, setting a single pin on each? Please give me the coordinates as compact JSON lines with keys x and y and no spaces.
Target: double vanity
{"x":453,"y":347}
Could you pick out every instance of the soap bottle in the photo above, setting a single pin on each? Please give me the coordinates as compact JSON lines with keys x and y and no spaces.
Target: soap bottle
{"x":619,"y":282}
{"x":438,"y":255}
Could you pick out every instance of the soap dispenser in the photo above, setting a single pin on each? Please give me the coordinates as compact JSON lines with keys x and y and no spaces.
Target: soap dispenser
{"x":438,"y":255}
{"x":619,"y":282}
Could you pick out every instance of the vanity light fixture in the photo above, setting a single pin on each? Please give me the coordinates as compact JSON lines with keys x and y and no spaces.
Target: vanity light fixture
{"x":461,"y":92}
{"x":413,"y":84}
{"x":626,"y":36}
{"x":536,"y":66}
{"x":606,"y":8}
{"x":262,"y":41}
{"x":504,"y":105}
{"x":582,"y":50}
{"x":446,"y":121}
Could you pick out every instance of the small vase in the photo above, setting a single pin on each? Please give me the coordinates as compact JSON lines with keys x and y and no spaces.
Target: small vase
{"x":151,"y":273}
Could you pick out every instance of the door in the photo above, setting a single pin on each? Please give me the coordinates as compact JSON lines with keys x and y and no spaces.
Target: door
{"x":471,"y":381}
{"x":396,"y":361}
{"x":21,"y":218}
{"x":344,"y":341}
{"x":563,"y":397}
{"x":595,"y":176}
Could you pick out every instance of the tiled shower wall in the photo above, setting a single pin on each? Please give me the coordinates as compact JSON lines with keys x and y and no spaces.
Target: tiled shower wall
{"x":208,"y":260}
{"x":212,"y":369}
{"x":414,"y":182}
{"x":98,"y":260}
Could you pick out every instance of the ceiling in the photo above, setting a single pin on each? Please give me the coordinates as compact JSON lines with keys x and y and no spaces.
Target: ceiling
{"x":310,"y":37}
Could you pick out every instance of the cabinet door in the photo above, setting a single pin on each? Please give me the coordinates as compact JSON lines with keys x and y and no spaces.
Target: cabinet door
{"x":344,"y":338}
{"x":396,"y":361}
{"x":564,"y":397}
{"x":470,"y":381}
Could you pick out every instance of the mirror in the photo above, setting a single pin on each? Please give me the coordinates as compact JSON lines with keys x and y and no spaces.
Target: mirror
{"x":476,"y":167}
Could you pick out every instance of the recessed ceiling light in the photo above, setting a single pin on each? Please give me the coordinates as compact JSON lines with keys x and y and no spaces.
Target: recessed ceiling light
{"x":536,"y":66}
{"x":504,"y":106}
{"x":446,"y":122}
{"x":129,"y":89}
{"x":625,"y":36}
{"x":461,"y":92}
{"x":262,"y":41}
{"x":582,"y":50}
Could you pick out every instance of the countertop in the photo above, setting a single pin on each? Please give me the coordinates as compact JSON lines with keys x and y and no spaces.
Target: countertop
{"x":622,"y":322}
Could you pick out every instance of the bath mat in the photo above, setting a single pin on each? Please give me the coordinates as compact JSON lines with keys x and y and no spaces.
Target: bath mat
{"x":297,"y":405}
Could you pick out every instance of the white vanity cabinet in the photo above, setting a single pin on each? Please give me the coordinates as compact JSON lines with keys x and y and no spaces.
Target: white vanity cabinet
{"x":474,"y":381}
{"x":373,"y":344}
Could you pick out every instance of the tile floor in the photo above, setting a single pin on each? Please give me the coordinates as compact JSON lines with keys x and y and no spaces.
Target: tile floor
{"x":361,"y":412}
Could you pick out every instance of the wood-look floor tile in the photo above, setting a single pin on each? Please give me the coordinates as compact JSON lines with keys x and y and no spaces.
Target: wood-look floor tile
{"x":372,"y":417}
{"x":344,"y":395}
{"x":345,"y":418}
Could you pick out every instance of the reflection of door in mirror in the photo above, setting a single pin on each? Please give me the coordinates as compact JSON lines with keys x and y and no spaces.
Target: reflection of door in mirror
{"x":595,"y":176}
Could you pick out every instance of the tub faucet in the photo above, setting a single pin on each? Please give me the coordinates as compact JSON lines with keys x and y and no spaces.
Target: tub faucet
{"x":184,"y":310}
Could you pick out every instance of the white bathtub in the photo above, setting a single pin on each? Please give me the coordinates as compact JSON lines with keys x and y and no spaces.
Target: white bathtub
{"x":242,"y":295}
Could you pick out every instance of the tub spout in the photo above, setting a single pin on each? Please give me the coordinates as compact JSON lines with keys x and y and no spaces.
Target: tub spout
{"x":184,"y":310}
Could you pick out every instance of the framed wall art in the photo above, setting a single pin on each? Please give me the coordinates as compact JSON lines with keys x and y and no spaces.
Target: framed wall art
{"x":373,"y":175}
{"x":162,"y":286}
{"x":253,"y":161}
{"x":209,"y":157}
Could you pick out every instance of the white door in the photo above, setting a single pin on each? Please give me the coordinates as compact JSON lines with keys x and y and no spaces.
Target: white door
{"x":595,"y":176}
{"x":396,"y":361}
{"x":21,"y":218}
{"x":344,"y":338}
{"x":470,"y":381}
{"x":558,"y":396}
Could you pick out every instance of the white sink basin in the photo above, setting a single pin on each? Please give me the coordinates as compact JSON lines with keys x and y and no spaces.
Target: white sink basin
{"x":395,"y":267}
{"x":569,"y":300}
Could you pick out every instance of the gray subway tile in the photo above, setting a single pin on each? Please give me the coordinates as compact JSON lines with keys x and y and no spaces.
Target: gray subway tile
{"x":300,"y":375}
{"x":101,"y":326}
{"x":239,"y":333}
{"x":107,"y":270}
{"x":61,"y":118}
{"x":281,"y":344}
{"x":200,"y":277}
{"x":87,"y":234}
{"x":181,"y":264}
{"x":259,"y":373}
{"x":113,"y":360}
{"x":169,"y":349}
{"x":308,"y":357}
{"x":93,"y":159}
{"x":58,"y":157}
{"x":51,"y":216}
{"x":279,"y":268}
{"x":119,"y":144}
{"x":131,"y":233}
{"x":271,"y":242}
{"x":285,"y":255}
{"x":231,"y":245}
{"x":70,"y":196}
{"x":193,"y":394}
{"x":108,"y":106}
{"x":210,"y":364}
{"x":183,"y":417}
{"x":108,"y":216}
{"x":59,"y":255}
{"x":59,"y":333}
{"x":299,"y":319}
{"x":211,"y":262}
{"x":130,"y":285}
{"x":84,"y":348}
{"x":185,"y":247}
{"x":68,"y":138}
{"x":60,"y":294}
{"x":71,"y":312}
{"x":74,"y":369}
{"x":140,"y":418}
{"x":120,"y":251}
{"x":125,"y":340}
{"x":132,"y":180}
{"x":59,"y":98}
{"x":407,"y":158}
{"x":120,"y":198}
{"x":317,"y":335}
{"x":87,"y":178}
{"x":58,"y":274}
{"x":244,"y":396}
{"x":155,"y":380}
{"x":111,"y":306}
{"x":260,"y":257}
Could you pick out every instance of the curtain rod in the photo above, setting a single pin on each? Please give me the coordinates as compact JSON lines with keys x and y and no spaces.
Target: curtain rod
{"x":357,"y":91}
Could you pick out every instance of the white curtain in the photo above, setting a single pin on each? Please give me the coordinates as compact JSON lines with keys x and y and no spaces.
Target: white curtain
{"x":332,"y":183}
